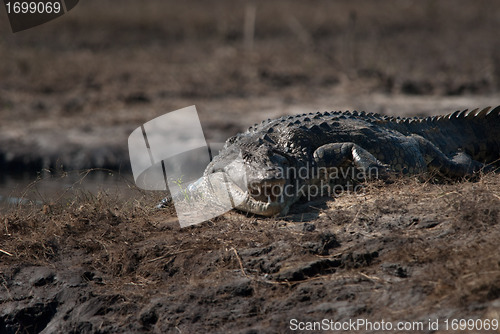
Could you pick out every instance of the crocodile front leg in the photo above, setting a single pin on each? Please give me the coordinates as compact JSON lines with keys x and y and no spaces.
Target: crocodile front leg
{"x":345,"y":155}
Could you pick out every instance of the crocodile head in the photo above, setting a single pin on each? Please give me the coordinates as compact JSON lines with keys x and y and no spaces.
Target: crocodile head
{"x":255,"y":172}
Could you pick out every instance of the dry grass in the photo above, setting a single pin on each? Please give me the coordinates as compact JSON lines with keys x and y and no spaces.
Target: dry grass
{"x":445,"y":236}
{"x":196,"y":49}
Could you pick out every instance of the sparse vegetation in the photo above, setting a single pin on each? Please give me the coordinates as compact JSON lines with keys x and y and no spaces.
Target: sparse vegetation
{"x":407,"y":250}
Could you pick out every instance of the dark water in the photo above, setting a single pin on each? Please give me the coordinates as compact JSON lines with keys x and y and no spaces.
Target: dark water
{"x":33,"y":189}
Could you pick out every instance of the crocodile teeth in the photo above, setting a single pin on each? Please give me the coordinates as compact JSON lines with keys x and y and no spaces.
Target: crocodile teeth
{"x":268,"y":199}
{"x":282,"y":198}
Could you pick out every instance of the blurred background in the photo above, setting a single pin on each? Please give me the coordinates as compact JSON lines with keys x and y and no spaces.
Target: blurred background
{"x":73,"y":89}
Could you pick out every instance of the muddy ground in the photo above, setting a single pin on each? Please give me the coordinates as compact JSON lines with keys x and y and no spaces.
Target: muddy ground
{"x":72,"y":90}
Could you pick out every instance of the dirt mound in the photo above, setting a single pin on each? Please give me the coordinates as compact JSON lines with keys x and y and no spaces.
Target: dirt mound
{"x":408,"y":251}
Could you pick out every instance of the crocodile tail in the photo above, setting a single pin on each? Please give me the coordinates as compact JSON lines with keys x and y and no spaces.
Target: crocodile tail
{"x":487,"y":113}
{"x":475,"y":132}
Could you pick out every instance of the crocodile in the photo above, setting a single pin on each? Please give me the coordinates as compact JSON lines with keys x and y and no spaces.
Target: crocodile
{"x":291,"y":157}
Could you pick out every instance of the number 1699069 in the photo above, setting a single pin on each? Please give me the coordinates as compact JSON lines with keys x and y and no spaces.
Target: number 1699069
{"x":33,"y":7}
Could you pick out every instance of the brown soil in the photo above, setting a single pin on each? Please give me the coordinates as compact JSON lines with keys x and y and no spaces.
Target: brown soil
{"x":72,"y":90}
{"x":409,"y":251}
